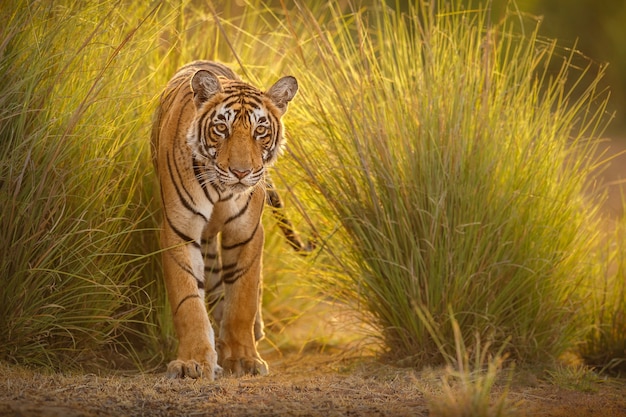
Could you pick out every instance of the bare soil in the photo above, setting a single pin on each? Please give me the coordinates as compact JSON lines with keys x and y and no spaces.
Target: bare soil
{"x":299,"y":385}
{"x":307,"y":384}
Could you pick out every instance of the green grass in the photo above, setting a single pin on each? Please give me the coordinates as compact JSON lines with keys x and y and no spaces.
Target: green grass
{"x":469,"y":384}
{"x":575,"y":377}
{"x":77,"y":201}
{"x":437,"y":158}
{"x":453,"y":167}
{"x":604,"y":346}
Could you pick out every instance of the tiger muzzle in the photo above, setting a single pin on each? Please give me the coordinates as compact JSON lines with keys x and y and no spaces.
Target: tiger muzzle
{"x":240,"y":173}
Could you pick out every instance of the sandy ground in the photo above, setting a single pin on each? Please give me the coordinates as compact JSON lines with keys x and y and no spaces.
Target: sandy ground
{"x":299,"y":385}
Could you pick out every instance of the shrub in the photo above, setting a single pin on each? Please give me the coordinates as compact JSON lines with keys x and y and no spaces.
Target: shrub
{"x":77,"y":214}
{"x":453,"y":165}
{"x":604,"y":346}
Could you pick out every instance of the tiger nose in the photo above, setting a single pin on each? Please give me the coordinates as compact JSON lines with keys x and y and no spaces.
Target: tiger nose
{"x":240,"y":173}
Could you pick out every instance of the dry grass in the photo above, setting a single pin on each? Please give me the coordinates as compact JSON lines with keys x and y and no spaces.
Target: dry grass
{"x":320,"y":372}
{"x":300,"y":385}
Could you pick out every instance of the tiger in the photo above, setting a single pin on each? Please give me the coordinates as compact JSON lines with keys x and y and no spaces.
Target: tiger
{"x":213,"y":139}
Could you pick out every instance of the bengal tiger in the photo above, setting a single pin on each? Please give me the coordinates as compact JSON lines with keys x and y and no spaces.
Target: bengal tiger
{"x":213,"y":139}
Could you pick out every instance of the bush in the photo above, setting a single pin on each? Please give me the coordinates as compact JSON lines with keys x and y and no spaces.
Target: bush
{"x":453,"y":164}
{"x":604,"y":346}
{"x":77,"y":212}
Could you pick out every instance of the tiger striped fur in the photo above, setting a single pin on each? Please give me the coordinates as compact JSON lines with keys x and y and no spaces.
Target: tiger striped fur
{"x":213,"y":138}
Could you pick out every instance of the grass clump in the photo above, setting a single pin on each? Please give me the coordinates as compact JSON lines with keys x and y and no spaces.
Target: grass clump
{"x":452,"y":163}
{"x":76,"y":215}
{"x":576,"y":377}
{"x":604,"y":346}
{"x":469,"y":385}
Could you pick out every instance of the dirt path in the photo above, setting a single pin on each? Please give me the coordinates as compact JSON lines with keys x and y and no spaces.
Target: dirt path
{"x":299,"y":385}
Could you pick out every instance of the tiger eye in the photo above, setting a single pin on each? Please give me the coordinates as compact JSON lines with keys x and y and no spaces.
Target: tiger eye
{"x":260,"y":130}
{"x":221,"y":128}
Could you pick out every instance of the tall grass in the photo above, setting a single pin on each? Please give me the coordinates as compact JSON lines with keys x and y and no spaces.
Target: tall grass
{"x":79,"y":211}
{"x":604,"y":346}
{"x":454,"y":165}
{"x":77,"y":208}
{"x":437,"y":157}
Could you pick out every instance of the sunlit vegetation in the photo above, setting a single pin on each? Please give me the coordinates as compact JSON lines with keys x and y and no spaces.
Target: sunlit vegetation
{"x":436,"y":156}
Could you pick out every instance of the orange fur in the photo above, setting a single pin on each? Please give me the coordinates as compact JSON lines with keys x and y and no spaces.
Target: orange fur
{"x":213,"y":138}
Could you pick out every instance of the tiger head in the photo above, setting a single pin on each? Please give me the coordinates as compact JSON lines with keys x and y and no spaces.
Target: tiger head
{"x":237,"y":131}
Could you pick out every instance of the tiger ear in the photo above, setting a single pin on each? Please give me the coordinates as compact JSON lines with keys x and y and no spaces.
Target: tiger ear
{"x":204,"y":85}
{"x":282,"y":92}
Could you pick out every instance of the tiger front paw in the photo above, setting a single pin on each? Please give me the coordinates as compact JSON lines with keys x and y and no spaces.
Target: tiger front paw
{"x":245,"y":366}
{"x":192,"y":369}
{"x":240,"y":359}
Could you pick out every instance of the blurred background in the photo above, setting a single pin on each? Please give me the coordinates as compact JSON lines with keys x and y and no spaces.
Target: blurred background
{"x":598,"y":30}
{"x":595,"y":28}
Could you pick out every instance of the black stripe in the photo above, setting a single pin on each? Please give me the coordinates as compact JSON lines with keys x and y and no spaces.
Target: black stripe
{"x":228,"y":197}
{"x":185,"y":299}
{"x":240,"y":88}
{"x":241,"y":212}
{"x":180,"y":234}
{"x":232,"y":276}
{"x":170,"y":99}
{"x":198,"y":174}
{"x":188,"y":99}
{"x":214,"y":287}
{"x":230,"y":101}
{"x":202,"y":123}
{"x":274,"y":201}
{"x":182,"y":199}
{"x":209,"y":256}
{"x":228,"y":267}
{"x":212,"y":270}
{"x":253,"y":101}
{"x":272,"y":196}
{"x":237,"y":114}
{"x":188,"y":270}
{"x":243,"y":242}
{"x":180,"y":176}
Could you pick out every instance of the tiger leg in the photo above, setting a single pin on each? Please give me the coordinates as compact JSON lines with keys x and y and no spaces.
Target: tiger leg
{"x":184,"y":279}
{"x":213,"y":276}
{"x":241,"y":275}
{"x":259,"y":332}
{"x":215,"y":286}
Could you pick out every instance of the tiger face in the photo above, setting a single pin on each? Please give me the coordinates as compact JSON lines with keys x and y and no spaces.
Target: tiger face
{"x":236,"y":133}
